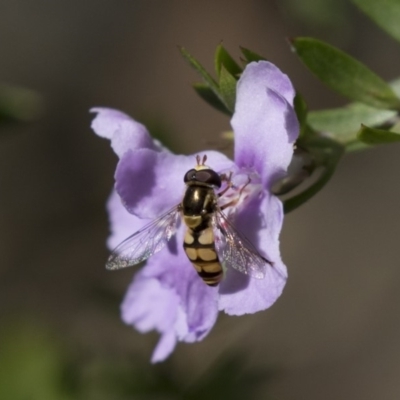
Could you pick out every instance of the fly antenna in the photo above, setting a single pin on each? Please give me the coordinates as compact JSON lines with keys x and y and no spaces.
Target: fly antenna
{"x":201,"y":161}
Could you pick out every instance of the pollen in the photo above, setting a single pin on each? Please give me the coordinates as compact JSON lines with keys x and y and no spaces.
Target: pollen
{"x":244,"y":186}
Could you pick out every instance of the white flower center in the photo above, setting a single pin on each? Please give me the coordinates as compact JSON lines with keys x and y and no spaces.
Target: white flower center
{"x":238,"y":189}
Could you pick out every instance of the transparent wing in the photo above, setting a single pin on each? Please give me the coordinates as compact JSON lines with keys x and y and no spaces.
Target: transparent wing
{"x":145,"y":242}
{"x":235,"y":250}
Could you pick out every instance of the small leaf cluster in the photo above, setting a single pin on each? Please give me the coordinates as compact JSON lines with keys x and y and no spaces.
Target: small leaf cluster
{"x":221,"y":92}
{"x":370,"y":119}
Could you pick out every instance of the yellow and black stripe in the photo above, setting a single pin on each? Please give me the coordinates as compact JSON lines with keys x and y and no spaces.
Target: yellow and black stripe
{"x":198,"y":205}
{"x":200,"y":249}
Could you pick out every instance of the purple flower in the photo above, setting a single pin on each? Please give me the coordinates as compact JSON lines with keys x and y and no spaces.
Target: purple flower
{"x":167,"y":294}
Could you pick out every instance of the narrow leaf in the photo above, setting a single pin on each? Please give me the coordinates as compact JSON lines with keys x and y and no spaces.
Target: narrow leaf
{"x":327,"y":154}
{"x":396,"y":127}
{"x":250,"y":55}
{"x":227,"y":87}
{"x":344,"y":74}
{"x":223,"y":58}
{"x":356,"y":145}
{"x":301,"y":110}
{"x":204,"y":91}
{"x":373,"y":136}
{"x":386,"y":13}
{"x":344,"y":122}
{"x":200,"y":69}
{"x":208,"y":79}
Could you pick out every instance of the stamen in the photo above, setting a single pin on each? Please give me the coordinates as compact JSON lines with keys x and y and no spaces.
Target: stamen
{"x":240,"y":187}
{"x":244,"y":187}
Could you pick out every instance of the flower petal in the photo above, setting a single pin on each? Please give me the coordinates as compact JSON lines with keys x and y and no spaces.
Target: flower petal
{"x":124,"y":132}
{"x":264,"y":121}
{"x":122,"y":223}
{"x":168,"y":296}
{"x":201,"y":305}
{"x":165,"y":347}
{"x":151,"y":182}
{"x":198,"y":301}
{"x":148,"y":305}
{"x":261,"y":223}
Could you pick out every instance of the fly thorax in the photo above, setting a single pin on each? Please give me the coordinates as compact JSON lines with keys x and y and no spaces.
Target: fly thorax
{"x":198,"y":200}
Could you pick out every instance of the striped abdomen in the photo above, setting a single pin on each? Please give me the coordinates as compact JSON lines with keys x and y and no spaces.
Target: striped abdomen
{"x":200,"y":249}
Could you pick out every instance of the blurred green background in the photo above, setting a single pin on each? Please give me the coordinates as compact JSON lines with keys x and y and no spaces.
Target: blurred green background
{"x":334,"y":334}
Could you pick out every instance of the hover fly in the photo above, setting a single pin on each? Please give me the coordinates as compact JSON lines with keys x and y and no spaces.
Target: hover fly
{"x":211,"y":243}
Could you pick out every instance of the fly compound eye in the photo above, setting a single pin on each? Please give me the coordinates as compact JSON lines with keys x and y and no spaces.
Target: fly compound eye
{"x":190,"y":175}
{"x":208,"y":176}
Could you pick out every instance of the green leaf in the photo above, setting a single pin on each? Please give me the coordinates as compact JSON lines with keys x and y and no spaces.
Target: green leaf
{"x":395,"y":85}
{"x":344,"y":74}
{"x":204,"y":91}
{"x":344,"y":122}
{"x":227,"y":87}
{"x":300,"y":107}
{"x":396,"y":127}
{"x":372,"y":136}
{"x":356,"y":145}
{"x":208,"y":79}
{"x":386,"y":13}
{"x":301,"y":167}
{"x":327,"y":154}
{"x":223,"y":58}
{"x":250,"y":55}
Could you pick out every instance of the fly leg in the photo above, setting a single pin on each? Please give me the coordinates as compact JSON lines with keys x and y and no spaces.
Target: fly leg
{"x":229,"y":183}
{"x":235,"y":200}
